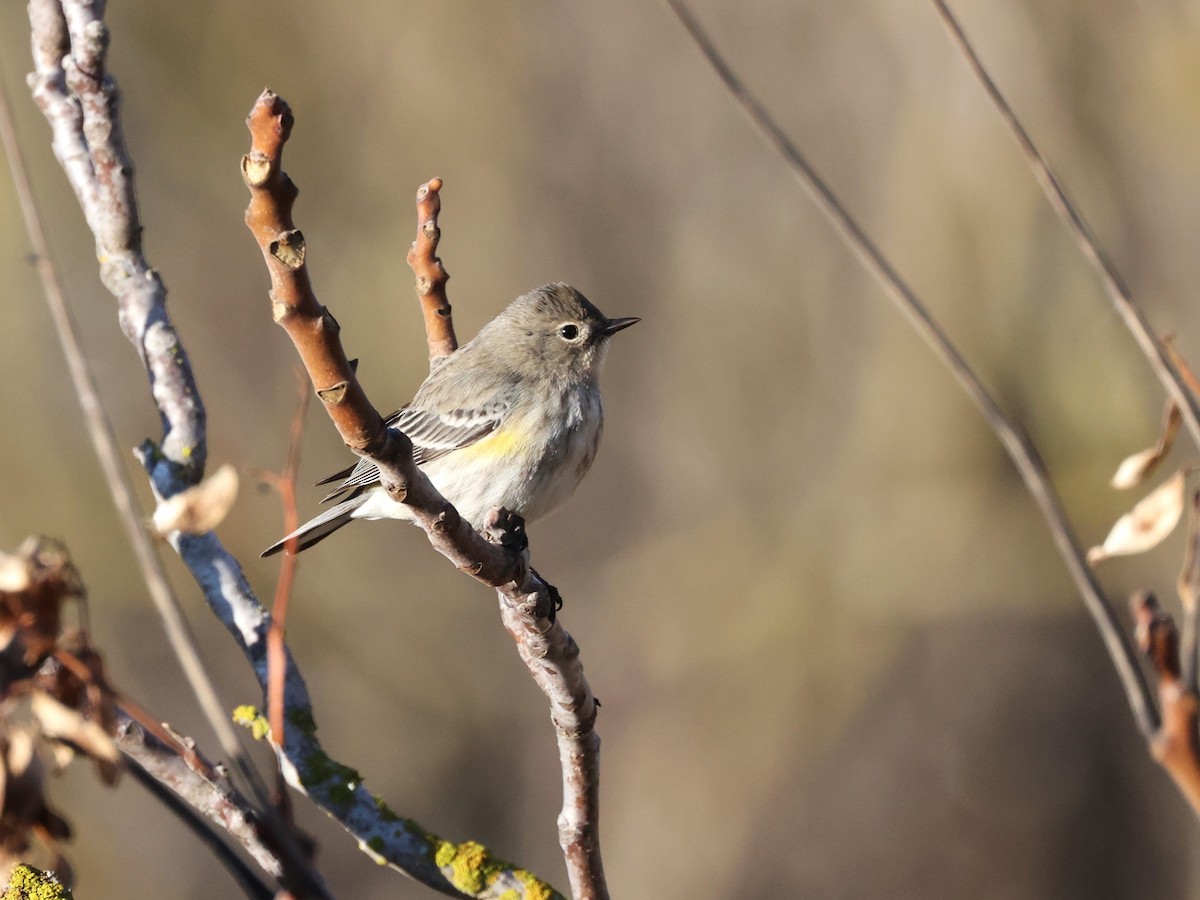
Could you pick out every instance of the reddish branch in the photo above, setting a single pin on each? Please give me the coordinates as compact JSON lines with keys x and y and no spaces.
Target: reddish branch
{"x":431,"y":274}
{"x":1176,"y":745}
{"x":527,"y":601}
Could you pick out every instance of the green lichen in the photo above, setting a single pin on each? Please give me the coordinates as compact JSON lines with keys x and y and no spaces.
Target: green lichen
{"x":301,"y":719}
{"x":337,"y":782}
{"x":385,"y":811}
{"x":377,"y":844}
{"x":472,"y":868}
{"x":249,"y":717}
{"x":28,"y":883}
{"x":535,"y":888}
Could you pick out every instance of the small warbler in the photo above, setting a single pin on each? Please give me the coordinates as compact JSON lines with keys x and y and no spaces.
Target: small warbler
{"x":511,"y":419}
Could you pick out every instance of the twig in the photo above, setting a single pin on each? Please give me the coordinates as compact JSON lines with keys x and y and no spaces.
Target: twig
{"x":276,"y":649}
{"x":1189,"y":595}
{"x":1017,"y":444}
{"x":191,"y":793}
{"x":90,"y":147}
{"x":1176,"y":745}
{"x":314,"y":333}
{"x":431,"y":274}
{"x":1132,"y":314}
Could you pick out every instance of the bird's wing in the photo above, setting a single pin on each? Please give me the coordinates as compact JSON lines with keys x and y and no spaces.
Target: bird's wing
{"x":433,"y":434}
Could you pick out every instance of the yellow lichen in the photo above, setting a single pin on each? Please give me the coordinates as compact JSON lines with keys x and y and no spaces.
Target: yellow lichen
{"x":249,"y":717}
{"x":28,"y":883}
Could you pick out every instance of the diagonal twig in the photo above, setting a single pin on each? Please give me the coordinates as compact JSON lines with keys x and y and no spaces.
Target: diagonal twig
{"x":1016,"y":443}
{"x":1131,"y":314}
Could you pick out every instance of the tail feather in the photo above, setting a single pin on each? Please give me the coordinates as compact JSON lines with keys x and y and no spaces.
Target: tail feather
{"x":318,"y":529}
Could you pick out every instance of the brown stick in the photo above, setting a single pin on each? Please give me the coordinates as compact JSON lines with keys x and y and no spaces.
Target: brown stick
{"x":1176,"y":744}
{"x":431,"y":274}
{"x":315,"y":335}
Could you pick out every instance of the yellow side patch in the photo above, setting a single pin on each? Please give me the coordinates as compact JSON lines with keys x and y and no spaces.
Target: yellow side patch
{"x":501,"y":443}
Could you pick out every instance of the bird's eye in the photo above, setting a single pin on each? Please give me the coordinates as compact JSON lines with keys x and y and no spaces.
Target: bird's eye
{"x":568,"y":332}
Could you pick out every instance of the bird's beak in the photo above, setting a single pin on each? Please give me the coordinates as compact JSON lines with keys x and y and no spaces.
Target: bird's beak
{"x":612,"y":326}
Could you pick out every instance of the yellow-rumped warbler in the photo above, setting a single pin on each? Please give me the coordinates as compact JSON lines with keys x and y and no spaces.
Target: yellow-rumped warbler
{"x":513,"y":418}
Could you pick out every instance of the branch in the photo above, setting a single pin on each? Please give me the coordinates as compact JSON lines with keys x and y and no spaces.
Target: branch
{"x":1134,"y":318}
{"x":1176,"y":744}
{"x":431,"y":274}
{"x":80,"y":102}
{"x":198,"y":789}
{"x":526,"y":600}
{"x":1016,"y":442}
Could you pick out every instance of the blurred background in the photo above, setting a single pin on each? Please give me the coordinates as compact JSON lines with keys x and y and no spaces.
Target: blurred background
{"x":838,"y":654}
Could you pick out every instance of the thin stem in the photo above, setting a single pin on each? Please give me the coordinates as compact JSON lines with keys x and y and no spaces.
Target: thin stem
{"x":1132,"y":315}
{"x":1018,"y":445}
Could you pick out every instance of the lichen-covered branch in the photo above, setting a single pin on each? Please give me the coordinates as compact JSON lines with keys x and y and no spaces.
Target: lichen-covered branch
{"x":431,"y":274}
{"x":529,"y":602}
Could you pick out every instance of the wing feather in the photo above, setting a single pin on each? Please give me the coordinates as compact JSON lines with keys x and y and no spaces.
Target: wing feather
{"x":433,"y":434}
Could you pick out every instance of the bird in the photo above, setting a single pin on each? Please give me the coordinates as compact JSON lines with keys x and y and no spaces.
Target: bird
{"x":511,"y":419}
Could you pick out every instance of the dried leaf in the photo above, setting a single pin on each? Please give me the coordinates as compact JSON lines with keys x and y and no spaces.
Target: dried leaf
{"x":1134,"y":469}
{"x":14,"y":573}
{"x":1147,"y":524}
{"x":200,"y":508}
{"x":63,"y":723}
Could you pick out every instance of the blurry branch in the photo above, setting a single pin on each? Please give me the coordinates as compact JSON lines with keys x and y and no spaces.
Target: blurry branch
{"x":527,"y":602}
{"x":431,"y":274}
{"x":276,"y":648}
{"x":80,"y":103}
{"x":1020,"y":448}
{"x":1176,"y":744}
{"x":1135,"y":320}
{"x":1188,"y":587}
{"x":196,"y":794}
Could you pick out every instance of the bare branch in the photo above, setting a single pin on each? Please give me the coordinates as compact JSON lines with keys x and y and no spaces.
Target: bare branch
{"x":1122,"y":300}
{"x":1019,"y":447}
{"x":553,"y":661}
{"x":431,"y":274}
{"x":198,"y":786}
{"x":88,"y":143}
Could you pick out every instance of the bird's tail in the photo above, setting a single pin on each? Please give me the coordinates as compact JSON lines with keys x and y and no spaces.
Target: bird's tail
{"x":319,"y":528}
